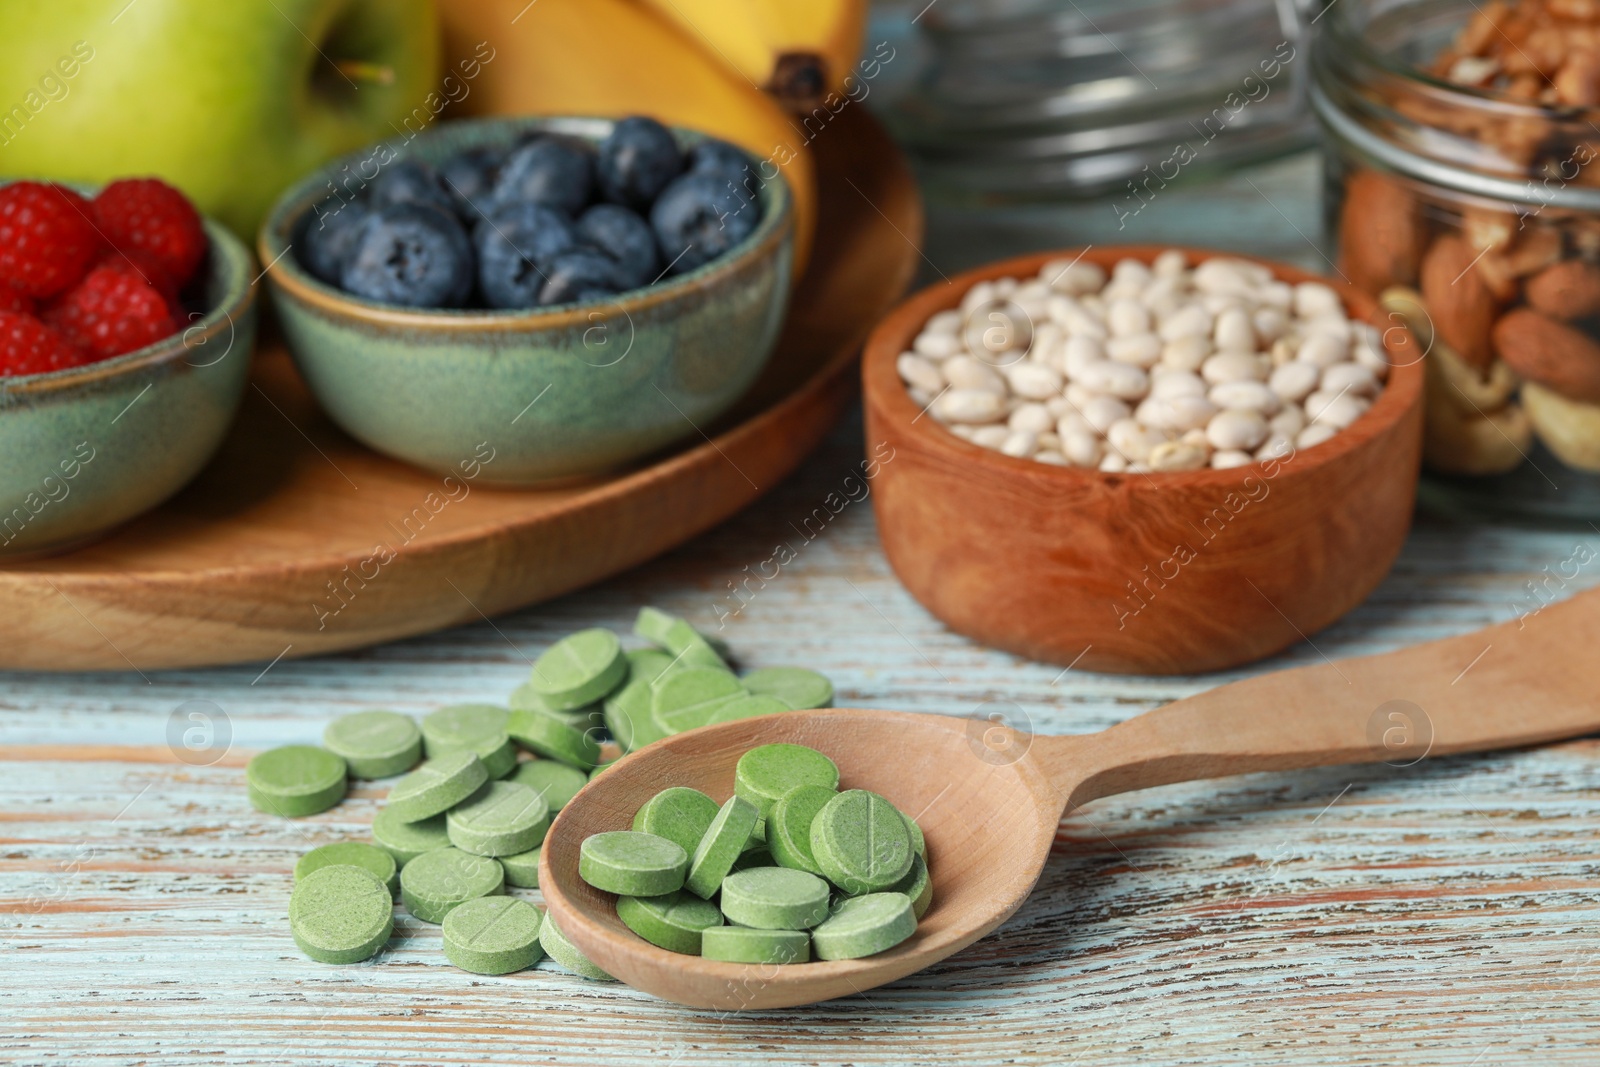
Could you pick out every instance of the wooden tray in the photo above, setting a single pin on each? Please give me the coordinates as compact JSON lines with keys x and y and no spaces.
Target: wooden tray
{"x":277,"y":548}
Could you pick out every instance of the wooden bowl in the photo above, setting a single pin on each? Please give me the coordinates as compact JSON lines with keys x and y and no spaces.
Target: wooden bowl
{"x":1162,"y":573}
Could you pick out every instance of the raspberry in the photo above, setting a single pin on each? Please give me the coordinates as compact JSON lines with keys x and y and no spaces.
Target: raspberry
{"x":110,"y":313}
{"x":46,"y":238}
{"x":12,"y":300}
{"x":147,"y":215}
{"x":28,"y":346}
{"x":143,"y":266}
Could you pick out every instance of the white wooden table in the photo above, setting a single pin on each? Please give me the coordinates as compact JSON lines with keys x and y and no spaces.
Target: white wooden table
{"x":1444,"y":913}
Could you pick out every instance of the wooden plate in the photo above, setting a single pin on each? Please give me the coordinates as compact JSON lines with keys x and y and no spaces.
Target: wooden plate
{"x":296,"y":540}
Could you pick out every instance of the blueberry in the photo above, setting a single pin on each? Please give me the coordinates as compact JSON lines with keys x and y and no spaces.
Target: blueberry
{"x":626,"y":238}
{"x":329,"y":236}
{"x":516,"y":244}
{"x":699,"y":217}
{"x":469,"y":179}
{"x":581,"y":274}
{"x":637,"y":160}
{"x":413,"y":255}
{"x":409,"y":181}
{"x":551,"y":171}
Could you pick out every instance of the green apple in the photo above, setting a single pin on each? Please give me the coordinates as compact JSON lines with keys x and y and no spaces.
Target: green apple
{"x":230,"y":100}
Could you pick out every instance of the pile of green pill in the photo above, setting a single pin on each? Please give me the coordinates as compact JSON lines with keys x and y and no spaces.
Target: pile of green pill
{"x":470,"y":819}
{"x":786,"y":870}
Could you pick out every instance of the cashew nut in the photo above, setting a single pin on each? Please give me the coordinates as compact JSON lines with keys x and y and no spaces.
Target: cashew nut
{"x":1569,"y":428}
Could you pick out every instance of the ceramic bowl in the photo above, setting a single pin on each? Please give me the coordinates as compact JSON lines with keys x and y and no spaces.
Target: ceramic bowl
{"x":1161,"y":573}
{"x":89,"y":448}
{"x":558,"y":393}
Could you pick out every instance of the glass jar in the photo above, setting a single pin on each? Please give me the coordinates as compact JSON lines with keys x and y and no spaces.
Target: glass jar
{"x":1474,"y":216}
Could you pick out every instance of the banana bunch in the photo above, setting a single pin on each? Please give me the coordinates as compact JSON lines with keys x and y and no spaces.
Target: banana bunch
{"x":612,"y":58}
{"x":797,"y":50}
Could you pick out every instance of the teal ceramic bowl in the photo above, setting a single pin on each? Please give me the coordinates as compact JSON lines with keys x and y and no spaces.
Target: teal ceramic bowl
{"x":89,"y":448}
{"x":555,"y":393}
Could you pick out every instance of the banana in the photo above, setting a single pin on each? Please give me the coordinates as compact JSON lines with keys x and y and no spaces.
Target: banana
{"x":797,"y":50}
{"x":612,"y":58}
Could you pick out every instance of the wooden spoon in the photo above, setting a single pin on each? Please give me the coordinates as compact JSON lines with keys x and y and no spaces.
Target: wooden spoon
{"x":989,"y":798}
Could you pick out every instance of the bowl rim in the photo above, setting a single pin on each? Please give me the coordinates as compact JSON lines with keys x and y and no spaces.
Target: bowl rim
{"x":285,"y":272}
{"x":887,"y":394}
{"x":230,"y":261}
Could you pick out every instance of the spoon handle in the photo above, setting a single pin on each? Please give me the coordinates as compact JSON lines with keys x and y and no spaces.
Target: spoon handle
{"x":1530,"y":680}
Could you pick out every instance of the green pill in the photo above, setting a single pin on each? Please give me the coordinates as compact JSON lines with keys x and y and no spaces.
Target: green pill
{"x":753,"y":857}
{"x":568,"y":955}
{"x":522,"y":869}
{"x":686,"y":699}
{"x":796,"y":686}
{"x":679,"y":814}
{"x":341,"y":914}
{"x":918,"y":886}
{"x":295,"y":780}
{"x":720,"y":847}
{"x":370,"y":858}
{"x":674,"y":921}
{"x":375,"y":744}
{"x":864,"y":926}
{"x":525,"y":698}
{"x":550,"y":737}
{"x":860,"y":841}
{"x":579,"y":669}
{"x":919,"y":844}
{"x":556,"y":782}
{"x":493,"y":935}
{"x":688,"y":646}
{"x":627,"y":711}
{"x":789,"y":826}
{"x":742,"y":944}
{"x":766,"y":773}
{"x":436,"y":786}
{"x":747,"y":707}
{"x":434,"y":883}
{"x":500,"y":819}
{"x":476,"y":728}
{"x":632,"y":864}
{"x":775,"y":898}
{"x":405,"y":841}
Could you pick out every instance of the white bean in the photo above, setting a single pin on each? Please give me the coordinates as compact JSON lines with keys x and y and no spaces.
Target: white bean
{"x":1104,"y":411}
{"x":1373,"y":358}
{"x":998,"y":328}
{"x":1045,"y":347}
{"x":1322,"y":350}
{"x":1112,"y":463}
{"x":1338,"y":410}
{"x":1198,"y":438}
{"x":1074,"y":318}
{"x":1245,"y":396}
{"x":1236,"y":430}
{"x":1166,"y":383}
{"x":1073,"y":276}
{"x":919,"y":373}
{"x":1349,"y":377}
{"x":1078,"y":352}
{"x":1050,"y":456}
{"x":1132,"y":441}
{"x":1288,"y":422}
{"x":967,"y":372}
{"x":962,"y":430}
{"x":1170,"y":263}
{"x":1071,"y":422}
{"x":920,"y":397}
{"x":1131,"y":270}
{"x":1176,"y":456}
{"x":1127,"y":317}
{"x":1004,"y":287}
{"x":1270,"y":323}
{"x":1186,"y":353}
{"x":1276,"y":294}
{"x":990,"y":436}
{"x":944,"y":322}
{"x":1021,"y":443}
{"x":1081,"y":449}
{"x":1233,"y":332}
{"x":1191,"y":320}
{"x":1233,"y":367}
{"x":1034,"y":417}
{"x":1121,"y":380}
{"x":1312,"y":436}
{"x":1078,"y":395}
{"x":1034,"y":381}
{"x":1294,"y":380}
{"x":1226,"y":458}
{"x":938,"y":345}
{"x":979,"y":295}
{"x":1276,"y":446}
{"x":1312,"y":299}
{"x":1189,"y":412}
{"x":1139,"y":349}
{"x":1222,"y":277}
{"x":969,"y":405}
{"x":1332,"y":325}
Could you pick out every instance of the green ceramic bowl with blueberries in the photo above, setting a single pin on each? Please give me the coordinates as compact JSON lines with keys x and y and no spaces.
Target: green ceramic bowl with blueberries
{"x":573,"y":389}
{"x":90,"y":447}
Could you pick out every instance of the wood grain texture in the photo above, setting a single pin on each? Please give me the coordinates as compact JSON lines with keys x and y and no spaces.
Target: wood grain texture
{"x":1161,"y":573}
{"x":296,"y":540}
{"x":1441,"y":914}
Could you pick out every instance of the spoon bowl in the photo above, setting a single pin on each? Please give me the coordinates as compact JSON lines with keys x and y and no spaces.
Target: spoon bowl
{"x":989,"y":798}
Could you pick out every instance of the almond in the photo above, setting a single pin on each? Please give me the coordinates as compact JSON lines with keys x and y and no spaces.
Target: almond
{"x":1566,"y":291}
{"x":1380,"y":232}
{"x":1543,"y":350}
{"x":1458,"y":299}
